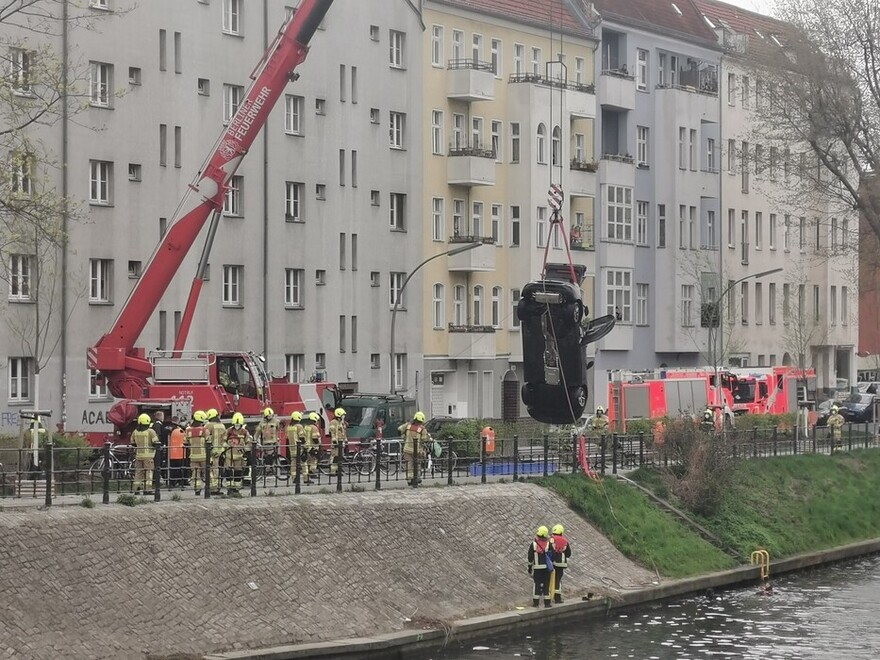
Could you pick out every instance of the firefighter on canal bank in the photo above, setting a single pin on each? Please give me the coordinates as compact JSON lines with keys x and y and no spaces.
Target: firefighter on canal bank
{"x":337,"y":439}
{"x":217,"y":433}
{"x":196,"y":435}
{"x":835,"y":423}
{"x":538,"y":568}
{"x":266,"y":436}
{"x":145,"y":440}
{"x":415,"y":442}
{"x":238,"y":439}
{"x":561,"y":553}
{"x":599,"y":423}
{"x":295,"y":439}
{"x":311,"y":446}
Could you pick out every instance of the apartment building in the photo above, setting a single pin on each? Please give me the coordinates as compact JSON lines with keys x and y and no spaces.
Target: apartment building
{"x":509,"y":107}
{"x":318,"y":227}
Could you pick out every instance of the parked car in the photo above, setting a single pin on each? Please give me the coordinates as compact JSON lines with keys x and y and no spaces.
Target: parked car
{"x":859,"y":408}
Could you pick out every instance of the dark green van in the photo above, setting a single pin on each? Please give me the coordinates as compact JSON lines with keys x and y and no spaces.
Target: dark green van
{"x":365,"y":413}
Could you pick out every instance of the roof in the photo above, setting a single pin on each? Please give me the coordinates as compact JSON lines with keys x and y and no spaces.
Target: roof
{"x":554,"y":15}
{"x":763,"y":32}
{"x":680,"y":17}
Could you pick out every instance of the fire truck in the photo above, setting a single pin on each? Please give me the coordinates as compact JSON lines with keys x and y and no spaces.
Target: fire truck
{"x":180,"y":381}
{"x":688,"y":391}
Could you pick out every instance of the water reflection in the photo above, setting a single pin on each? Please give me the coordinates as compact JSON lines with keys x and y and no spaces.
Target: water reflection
{"x":828,"y":613}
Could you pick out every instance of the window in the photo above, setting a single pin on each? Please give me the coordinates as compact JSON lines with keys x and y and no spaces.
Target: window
{"x":816,"y":303}
{"x":496,"y":139}
{"x":541,"y":227}
{"x":772,"y":231}
{"x":321,"y":277}
{"x":834,"y":244}
{"x":682,"y":226}
{"x":19,"y":378}
{"x":641,"y":304}
{"x":642,"y":69}
{"x":618,"y":292}
{"x":692,"y":149}
{"x":642,"y":146}
{"x":477,"y":219}
{"x":458,"y":228}
{"x":711,"y":231}
{"x":100,"y":181}
{"x":203,"y":86}
{"x":20,"y":62}
{"x":437,"y":45}
{"x":477,"y":132}
{"x":457,"y":45}
{"x":354,"y":251}
{"x":375,"y":361}
{"x":342,"y":333}
{"x":682,"y":147}
{"x":496,"y":223}
{"x":134,"y":270}
{"x":396,"y":290}
{"x":786,"y":233}
{"x":100,"y":84}
{"x":22,"y":174}
{"x":399,"y":371}
{"x":397,"y":212}
{"x":710,"y":155}
{"x":619,"y":213}
{"x":641,"y":223}
{"x":786,"y":304}
{"x":320,"y":360}
{"x":438,"y":306}
{"x":556,"y":147}
{"x":514,"y":299}
{"x":395,"y":48}
{"x":232,"y":98}
{"x":731,"y":156}
{"x":514,"y":142}
{"x":536,"y":61}
{"x":832,"y":304}
{"x":232,"y":16}
{"x":100,"y":279}
{"x":579,"y":147}
{"x":759,"y":303}
{"x":232,"y":283}
{"x":477,"y":48}
{"x":579,"y":70}
{"x":514,"y":226}
{"x":374,"y":33}
{"x":163,"y":145}
{"x":293,"y":201}
{"x":687,"y":305}
{"x":478,"y":305}
{"x":163,"y":50}
{"x":178,"y":53}
{"x":759,"y":230}
{"x":295,"y":365}
{"x":97,"y":388}
{"x":458,"y":305}
{"x":293,"y":114}
{"x":541,"y":149}
{"x":232,"y":200}
{"x":745,"y":91}
{"x":20,"y":277}
{"x":692,"y":222}
{"x":661,"y":225}
{"x":802,"y":233}
{"x":294,"y":279}
{"x":178,"y":147}
{"x":495,"y":57}
{"x":744,"y":303}
{"x":437,"y":211}
{"x":844,"y":305}
{"x":395,"y":133}
{"x":771,"y":295}
{"x":496,"y":306}
{"x":731,"y":89}
{"x":437,"y":132}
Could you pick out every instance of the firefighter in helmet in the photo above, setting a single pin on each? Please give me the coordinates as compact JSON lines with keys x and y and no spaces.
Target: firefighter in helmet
{"x":415,"y":443}
{"x":295,"y":438}
{"x":217,"y":434}
{"x":599,"y":423}
{"x":835,"y":423}
{"x":145,"y":441}
{"x":337,"y":438}
{"x":708,"y":421}
{"x":311,"y":435}
{"x":561,"y":549}
{"x":538,"y":569}
{"x":196,"y":435}
{"x":236,"y":443}
{"x":266,"y":435}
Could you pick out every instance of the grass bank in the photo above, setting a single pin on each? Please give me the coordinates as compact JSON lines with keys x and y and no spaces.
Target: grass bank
{"x":786,"y":505}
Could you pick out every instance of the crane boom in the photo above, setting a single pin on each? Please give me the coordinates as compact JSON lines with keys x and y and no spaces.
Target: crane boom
{"x":115,"y":355}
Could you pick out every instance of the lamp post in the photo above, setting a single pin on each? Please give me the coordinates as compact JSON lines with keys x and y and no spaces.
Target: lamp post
{"x":456,"y":250}
{"x":715,"y":317}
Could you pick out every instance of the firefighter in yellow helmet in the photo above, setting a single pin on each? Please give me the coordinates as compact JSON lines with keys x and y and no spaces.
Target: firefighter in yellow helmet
{"x":337,"y":439}
{"x":145,"y":441}
{"x":416,"y":441}
{"x":196,"y":435}
{"x":295,"y":439}
{"x":835,"y":423}
{"x":217,"y":434}
{"x":266,"y":436}
{"x":561,"y":549}
{"x":237,"y":440}
{"x":539,"y":550}
{"x":599,"y":423}
{"x":311,"y":435}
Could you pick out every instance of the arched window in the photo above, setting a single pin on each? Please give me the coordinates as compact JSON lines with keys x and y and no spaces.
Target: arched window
{"x":556,"y":146}
{"x":458,"y":305}
{"x":478,"y":305}
{"x":496,"y":306}
{"x":438,"y":306}
{"x":542,"y":144}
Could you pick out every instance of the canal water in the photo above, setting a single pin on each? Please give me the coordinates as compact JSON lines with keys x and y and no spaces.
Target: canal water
{"x":828,"y":613}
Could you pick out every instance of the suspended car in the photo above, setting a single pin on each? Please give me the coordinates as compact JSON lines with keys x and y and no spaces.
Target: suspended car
{"x":555,"y":332}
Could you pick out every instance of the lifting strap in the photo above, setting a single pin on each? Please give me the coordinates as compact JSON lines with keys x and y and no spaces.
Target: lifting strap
{"x":555,"y":197}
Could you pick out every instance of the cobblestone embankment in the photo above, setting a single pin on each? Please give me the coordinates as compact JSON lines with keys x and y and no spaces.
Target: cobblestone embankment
{"x":187,"y":578}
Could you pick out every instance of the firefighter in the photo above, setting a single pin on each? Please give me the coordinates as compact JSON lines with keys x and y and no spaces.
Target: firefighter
{"x":415,"y":443}
{"x":835,"y":423}
{"x":311,"y":435}
{"x":266,"y":436}
{"x":537,"y":557}
{"x":145,"y":441}
{"x":561,"y":550}
{"x":176,"y":455}
{"x":238,"y":438}
{"x":196,"y":435}
{"x":337,"y":439}
{"x":217,"y":433}
{"x":599,"y":423}
{"x":295,"y":439}
{"x":708,"y":421}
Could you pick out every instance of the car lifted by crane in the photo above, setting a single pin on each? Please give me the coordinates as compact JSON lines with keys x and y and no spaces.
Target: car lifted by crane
{"x":181,"y":381}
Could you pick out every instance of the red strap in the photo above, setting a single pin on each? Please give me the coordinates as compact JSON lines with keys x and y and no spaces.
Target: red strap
{"x":556,"y":222}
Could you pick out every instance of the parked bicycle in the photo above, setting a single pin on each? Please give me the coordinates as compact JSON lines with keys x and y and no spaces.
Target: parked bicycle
{"x":358,"y":457}
{"x":266,"y":464}
{"x":121,"y":464}
{"x":436,"y":460}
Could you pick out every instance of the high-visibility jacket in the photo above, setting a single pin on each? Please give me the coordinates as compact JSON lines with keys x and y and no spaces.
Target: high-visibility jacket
{"x":176,"y":450}
{"x":195,"y":438}
{"x":295,"y":434}
{"x":599,"y":425}
{"x":561,"y":550}
{"x":267,"y":432}
{"x":311,"y":436}
{"x":411,"y":432}
{"x":237,"y":441}
{"x":337,"y":431}
{"x":145,"y":440}
{"x":537,"y":551}
{"x":218,"y":433}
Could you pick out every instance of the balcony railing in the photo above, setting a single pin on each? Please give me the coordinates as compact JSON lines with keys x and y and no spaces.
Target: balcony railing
{"x":471,"y":328}
{"x":581,"y":238}
{"x":471,"y":149}
{"x":471,"y":238}
{"x":618,"y":73}
{"x":584,"y":165}
{"x":549,"y":81}
{"x":620,"y":158}
{"x":476,"y":65}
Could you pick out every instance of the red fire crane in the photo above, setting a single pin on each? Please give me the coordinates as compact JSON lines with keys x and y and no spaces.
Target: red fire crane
{"x":181,"y":381}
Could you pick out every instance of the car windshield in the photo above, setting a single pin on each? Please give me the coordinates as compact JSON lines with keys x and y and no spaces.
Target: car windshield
{"x":359,"y":415}
{"x":860,"y":400}
{"x":745,"y":391}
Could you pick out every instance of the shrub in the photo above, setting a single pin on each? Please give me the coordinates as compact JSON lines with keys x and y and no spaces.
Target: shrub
{"x":127,"y":499}
{"x":87,"y":503}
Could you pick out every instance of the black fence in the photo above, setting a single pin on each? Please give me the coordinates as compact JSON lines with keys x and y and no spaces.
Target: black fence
{"x":114,"y":469}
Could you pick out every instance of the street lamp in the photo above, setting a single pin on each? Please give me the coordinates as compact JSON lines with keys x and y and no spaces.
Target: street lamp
{"x":715,"y":318}
{"x":456,"y":250}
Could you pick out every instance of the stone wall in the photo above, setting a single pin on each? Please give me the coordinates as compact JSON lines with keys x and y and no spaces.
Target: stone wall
{"x":187,"y":578}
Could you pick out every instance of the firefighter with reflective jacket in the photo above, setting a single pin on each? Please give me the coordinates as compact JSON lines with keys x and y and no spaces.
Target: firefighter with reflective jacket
{"x":415,"y":443}
{"x":538,"y":569}
{"x":708,"y":421}
{"x":337,"y":439}
{"x":561,"y":549}
{"x":295,"y":438}
{"x":599,"y":423}
{"x":196,"y":435}
{"x":311,"y":435}
{"x":238,"y":439}
{"x":217,"y":433}
{"x":145,"y":441}
{"x":266,"y":436}
{"x":835,"y":423}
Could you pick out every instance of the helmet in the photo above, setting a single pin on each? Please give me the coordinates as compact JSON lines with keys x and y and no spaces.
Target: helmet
{"x":144,"y":419}
{"x":296,"y":416}
{"x":313,"y":417}
{"x":339,"y":412}
{"x":268,"y":412}
{"x":600,"y":410}
{"x":237,"y":419}
{"x":542,"y":531}
{"x":419,"y":417}
{"x":558,"y":529}
{"x":834,"y":408}
{"x":212,"y":413}
{"x":200,"y":416}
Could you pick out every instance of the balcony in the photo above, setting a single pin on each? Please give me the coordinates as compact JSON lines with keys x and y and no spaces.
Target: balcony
{"x":581,"y":238}
{"x":470,"y":165}
{"x":471,"y":342}
{"x":481,"y":259}
{"x":617,"y":89}
{"x":582,"y":177}
{"x":470,"y":80}
{"x":548,"y":81}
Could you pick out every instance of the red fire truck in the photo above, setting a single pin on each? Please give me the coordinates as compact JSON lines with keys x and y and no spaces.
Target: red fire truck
{"x":181,"y":381}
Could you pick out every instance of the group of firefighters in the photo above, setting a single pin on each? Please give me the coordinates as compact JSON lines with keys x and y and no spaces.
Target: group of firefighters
{"x":548,"y":557}
{"x":232,"y":445}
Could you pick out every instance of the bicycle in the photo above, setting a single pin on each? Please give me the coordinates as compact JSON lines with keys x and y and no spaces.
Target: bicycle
{"x":362,"y":461}
{"x":278,"y":466}
{"x":436,"y":463}
{"x":121,"y":464}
